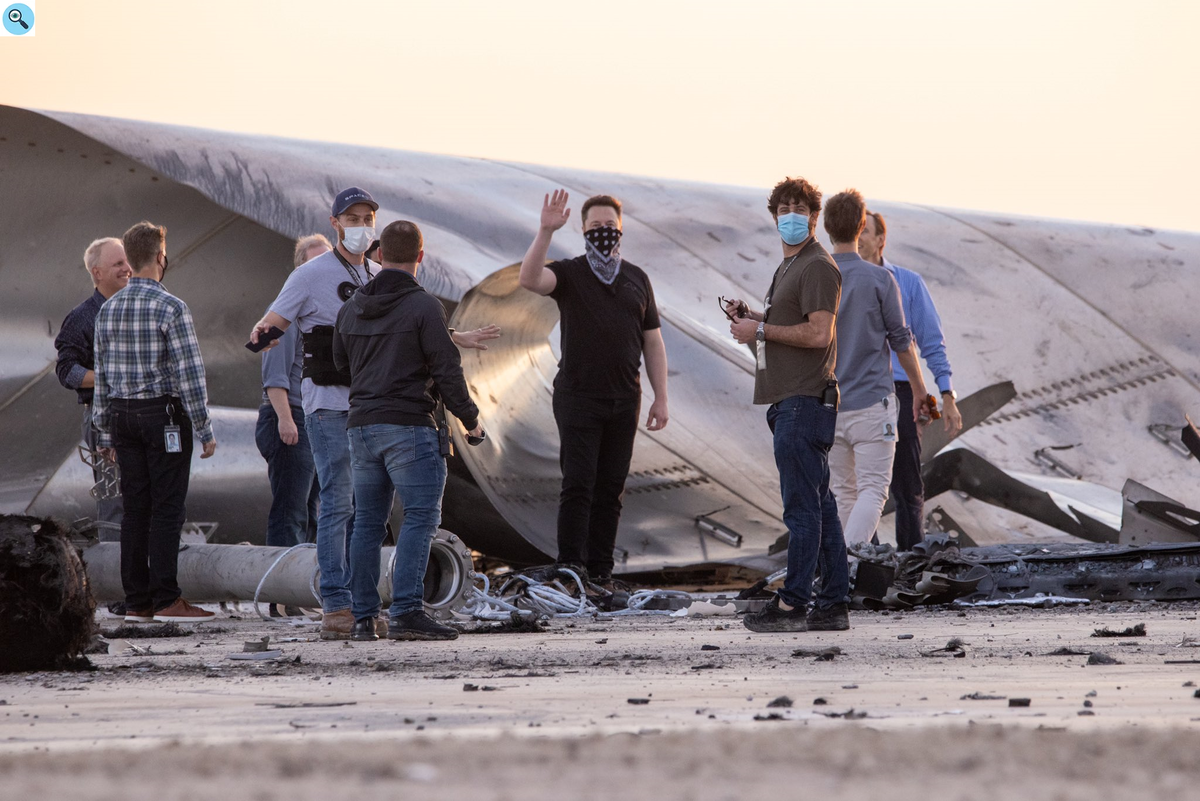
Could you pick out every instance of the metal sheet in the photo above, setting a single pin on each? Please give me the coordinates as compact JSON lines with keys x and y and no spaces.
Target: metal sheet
{"x":1052,"y":306}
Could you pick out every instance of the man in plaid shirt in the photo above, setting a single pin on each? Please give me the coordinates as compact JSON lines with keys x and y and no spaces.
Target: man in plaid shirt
{"x":149,"y":396}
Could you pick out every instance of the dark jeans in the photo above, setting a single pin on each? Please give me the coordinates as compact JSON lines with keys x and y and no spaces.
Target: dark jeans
{"x":908,"y":488}
{"x":803,"y":430}
{"x":596,"y":448}
{"x":293,"y":475}
{"x":154,"y":484}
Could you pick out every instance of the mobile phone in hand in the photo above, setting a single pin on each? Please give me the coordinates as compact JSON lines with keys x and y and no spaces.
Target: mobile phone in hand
{"x":264,"y":340}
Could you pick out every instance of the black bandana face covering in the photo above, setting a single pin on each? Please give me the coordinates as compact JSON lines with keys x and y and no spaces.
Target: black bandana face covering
{"x":604,"y":252}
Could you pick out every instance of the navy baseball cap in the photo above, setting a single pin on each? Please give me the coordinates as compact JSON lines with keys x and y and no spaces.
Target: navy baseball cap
{"x":348,"y":197}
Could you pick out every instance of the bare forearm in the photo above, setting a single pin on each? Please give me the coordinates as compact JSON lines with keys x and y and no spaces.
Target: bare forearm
{"x":273,"y":319}
{"x":655,"y":353}
{"x":804,"y":335}
{"x":89,"y":380}
{"x":278,"y":396}
{"x":533,"y":266}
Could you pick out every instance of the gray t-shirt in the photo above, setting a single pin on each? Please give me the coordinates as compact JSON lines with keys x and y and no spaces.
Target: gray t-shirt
{"x":313,"y":295}
{"x":870,"y":319}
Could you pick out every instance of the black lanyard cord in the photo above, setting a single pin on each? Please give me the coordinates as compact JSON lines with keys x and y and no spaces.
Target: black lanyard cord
{"x":350,"y":268}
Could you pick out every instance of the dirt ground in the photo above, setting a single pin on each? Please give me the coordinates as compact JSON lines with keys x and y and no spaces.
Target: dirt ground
{"x":548,"y":714}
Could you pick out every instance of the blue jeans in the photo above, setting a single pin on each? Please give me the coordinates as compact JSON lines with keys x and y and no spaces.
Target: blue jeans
{"x":803,"y":430}
{"x":408,"y":459}
{"x":335,"y":522}
{"x":294,"y":487}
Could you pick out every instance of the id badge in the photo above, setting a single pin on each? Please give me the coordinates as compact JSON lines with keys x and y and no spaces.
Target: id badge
{"x":889,"y":432}
{"x":171,"y":440}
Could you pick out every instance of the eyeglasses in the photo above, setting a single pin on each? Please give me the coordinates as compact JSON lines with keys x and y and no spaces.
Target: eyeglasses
{"x":741,"y":312}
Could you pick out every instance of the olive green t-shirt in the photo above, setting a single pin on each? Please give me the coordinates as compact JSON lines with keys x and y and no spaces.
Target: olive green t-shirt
{"x":807,"y":283}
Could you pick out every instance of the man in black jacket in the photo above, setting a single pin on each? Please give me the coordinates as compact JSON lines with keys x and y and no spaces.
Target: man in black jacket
{"x":392,"y":336}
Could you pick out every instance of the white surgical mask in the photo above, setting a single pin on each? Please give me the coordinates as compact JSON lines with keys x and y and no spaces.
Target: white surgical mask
{"x":357,"y":240}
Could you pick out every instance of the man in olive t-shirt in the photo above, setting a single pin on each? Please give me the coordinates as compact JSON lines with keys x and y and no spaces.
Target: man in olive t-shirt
{"x":795,"y":342}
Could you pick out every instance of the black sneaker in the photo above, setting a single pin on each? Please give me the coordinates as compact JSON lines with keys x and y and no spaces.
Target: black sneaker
{"x":835,"y":618}
{"x":772,"y":618}
{"x":419,"y":626}
{"x":364,"y":630}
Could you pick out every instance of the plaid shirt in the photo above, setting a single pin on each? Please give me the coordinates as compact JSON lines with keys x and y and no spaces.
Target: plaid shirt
{"x":146,"y":347}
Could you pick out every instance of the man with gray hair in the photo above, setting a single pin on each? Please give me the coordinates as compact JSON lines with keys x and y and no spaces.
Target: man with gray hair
{"x":104,"y":260}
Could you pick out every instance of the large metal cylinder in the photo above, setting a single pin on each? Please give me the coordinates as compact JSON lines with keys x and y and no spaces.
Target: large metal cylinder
{"x":212,"y":573}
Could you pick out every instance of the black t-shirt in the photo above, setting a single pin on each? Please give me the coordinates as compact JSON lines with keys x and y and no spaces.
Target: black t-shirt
{"x":603,"y":328}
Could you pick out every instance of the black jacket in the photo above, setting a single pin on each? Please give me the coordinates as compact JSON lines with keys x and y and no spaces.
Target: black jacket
{"x":392,"y":335}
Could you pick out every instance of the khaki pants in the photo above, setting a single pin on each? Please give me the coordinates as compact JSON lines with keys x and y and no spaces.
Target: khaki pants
{"x":860,"y":466}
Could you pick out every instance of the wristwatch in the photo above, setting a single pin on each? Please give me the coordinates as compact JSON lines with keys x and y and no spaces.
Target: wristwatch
{"x":953,"y":395}
{"x":761,"y":333}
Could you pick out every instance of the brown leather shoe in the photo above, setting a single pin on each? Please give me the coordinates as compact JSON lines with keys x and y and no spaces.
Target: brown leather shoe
{"x":337,"y":625}
{"x":139,"y":615}
{"x":381,"y":624}
{"x":183,"y":612}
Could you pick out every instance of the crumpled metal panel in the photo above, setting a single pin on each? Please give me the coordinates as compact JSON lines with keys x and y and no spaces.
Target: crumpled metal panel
{"x":1098,"y":350}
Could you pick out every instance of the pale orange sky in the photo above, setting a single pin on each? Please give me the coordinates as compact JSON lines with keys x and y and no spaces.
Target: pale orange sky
{"x":1082,"y":110}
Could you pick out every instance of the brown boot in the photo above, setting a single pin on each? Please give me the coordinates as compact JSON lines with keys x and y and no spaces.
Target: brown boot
{"x":381,"y":624}
{"x":183,"y":612}
{"x":337,"y":625}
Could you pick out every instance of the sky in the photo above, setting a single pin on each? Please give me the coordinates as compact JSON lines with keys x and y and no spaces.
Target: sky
{"x":1076,"y":110}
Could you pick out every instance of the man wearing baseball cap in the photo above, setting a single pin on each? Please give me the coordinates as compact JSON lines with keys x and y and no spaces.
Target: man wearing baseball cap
{"x":311,"y":299}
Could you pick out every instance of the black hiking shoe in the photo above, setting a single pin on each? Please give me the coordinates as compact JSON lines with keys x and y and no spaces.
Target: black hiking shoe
{"x":419,"y":626}
{"x":364,"y":630}
{"x":772,"y":618}
{"x":835,"y":618}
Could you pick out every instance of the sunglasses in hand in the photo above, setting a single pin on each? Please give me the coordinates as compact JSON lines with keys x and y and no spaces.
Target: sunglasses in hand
{"x":742,"y":311}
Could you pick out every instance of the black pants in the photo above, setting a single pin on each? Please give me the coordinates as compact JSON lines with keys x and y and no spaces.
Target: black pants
{"x":597,"y":445}
{"x":154,"y":484}
{"x":908,"y":488}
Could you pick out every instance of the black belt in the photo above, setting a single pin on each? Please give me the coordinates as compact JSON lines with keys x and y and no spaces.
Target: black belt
{"x":134,"y":404}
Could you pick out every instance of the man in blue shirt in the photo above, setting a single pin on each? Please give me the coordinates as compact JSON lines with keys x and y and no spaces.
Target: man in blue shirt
{"x":908,"y":489}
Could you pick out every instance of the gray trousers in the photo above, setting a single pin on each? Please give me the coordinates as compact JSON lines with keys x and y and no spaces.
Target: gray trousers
{"x":109,"y":510}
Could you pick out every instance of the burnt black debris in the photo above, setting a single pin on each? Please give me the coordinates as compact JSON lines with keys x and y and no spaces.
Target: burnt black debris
{"x":1133,"y":631}
{"x":1098,"y":658}
{"x":142,"y":632}
{"x":48,"y":620}
{"x":781,"y":701}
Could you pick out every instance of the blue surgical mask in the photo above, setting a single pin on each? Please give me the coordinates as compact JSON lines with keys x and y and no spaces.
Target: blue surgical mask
{"x":793,"y":228}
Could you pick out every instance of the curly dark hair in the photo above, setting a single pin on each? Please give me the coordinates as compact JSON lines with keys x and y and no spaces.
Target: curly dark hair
{"x":792,"y":190}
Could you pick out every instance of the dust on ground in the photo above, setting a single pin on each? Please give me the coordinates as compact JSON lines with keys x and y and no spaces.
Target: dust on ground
{"x":537,"y":715}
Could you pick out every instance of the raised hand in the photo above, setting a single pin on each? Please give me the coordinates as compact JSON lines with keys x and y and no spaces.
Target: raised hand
{"x":554,"y":210}
{"x":475,"y":339}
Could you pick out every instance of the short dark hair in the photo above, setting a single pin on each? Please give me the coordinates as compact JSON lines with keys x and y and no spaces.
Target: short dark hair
{"x":845,"y":216}
{"x":142,"y":243}
{"x":600,"y":200}
{"x":880,"y":226}
{"x":792,"y":190}
{"x":401,"y":242}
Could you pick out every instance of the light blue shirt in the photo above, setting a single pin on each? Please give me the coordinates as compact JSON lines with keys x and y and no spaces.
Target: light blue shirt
{"x":283,"y":366}
{"x":922,"y":318}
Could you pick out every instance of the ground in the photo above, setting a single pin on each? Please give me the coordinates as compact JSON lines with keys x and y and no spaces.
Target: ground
{"x":549,"y":714}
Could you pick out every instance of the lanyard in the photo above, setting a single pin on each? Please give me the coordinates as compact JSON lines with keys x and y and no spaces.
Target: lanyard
{"x":778,"y":274}
{"x":354,"y":273}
